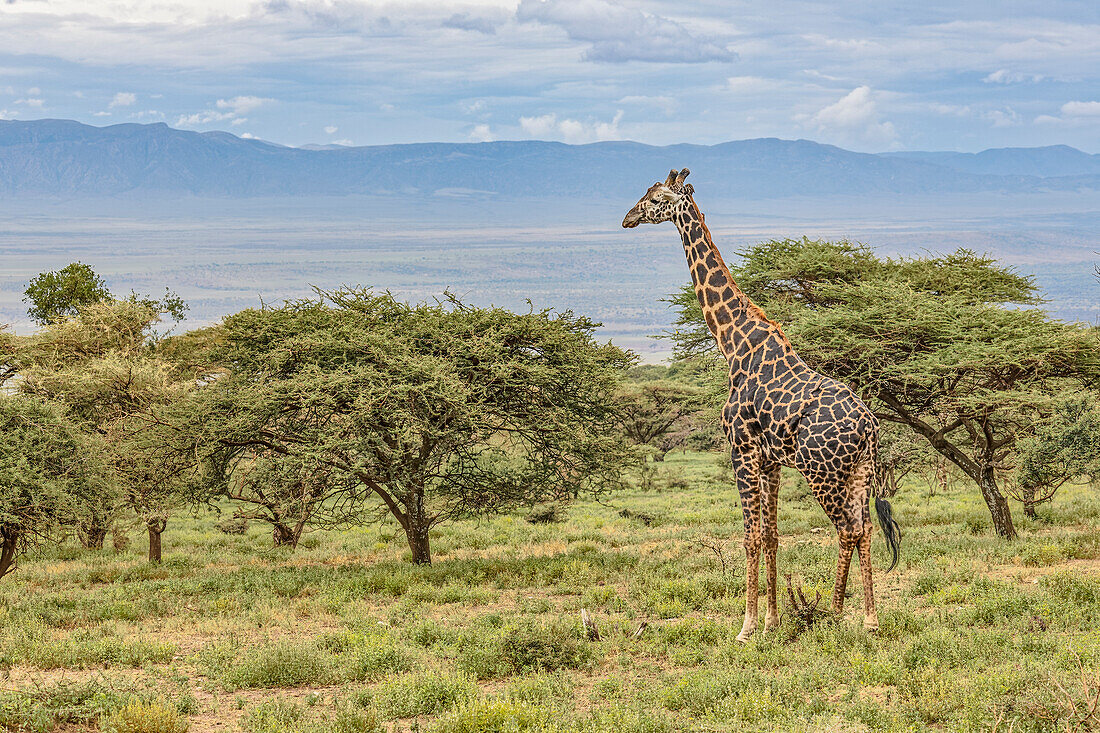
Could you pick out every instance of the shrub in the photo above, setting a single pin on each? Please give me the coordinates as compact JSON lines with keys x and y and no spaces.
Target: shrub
{"x":494,"y":717}
{"x":276,"y":716}
{"x":375,"y":657}
{"x":422,"y":694}
{"x":285,"y":664}
{"x":146,"y":717}
{"x":525,"y":647}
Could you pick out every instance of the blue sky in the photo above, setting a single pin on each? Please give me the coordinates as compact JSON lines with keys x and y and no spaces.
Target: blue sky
{"x":868,"y":75}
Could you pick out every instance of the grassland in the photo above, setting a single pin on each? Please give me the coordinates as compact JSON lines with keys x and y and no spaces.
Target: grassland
{"x":344,"y":635}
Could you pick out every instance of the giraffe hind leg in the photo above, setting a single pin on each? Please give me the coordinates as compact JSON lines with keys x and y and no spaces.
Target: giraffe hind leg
{"x":860,"y":496}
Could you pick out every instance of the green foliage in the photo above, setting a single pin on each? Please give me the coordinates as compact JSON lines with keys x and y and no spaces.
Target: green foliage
{"x":53,"y":295}
{"x":418,"y":694}
{"x":45,"y":469}
{"x":661,"y":414}
{"x":1064,"y":446}
{"x":102,"y":368}
{"x":523,"y":647}
{"x":437,"y":410}
{"x":283,"y":664}
{"x":64,"y":703}
{"x":275,"y":716}
{"x":146,"y":717}
{"x":495,"y":716}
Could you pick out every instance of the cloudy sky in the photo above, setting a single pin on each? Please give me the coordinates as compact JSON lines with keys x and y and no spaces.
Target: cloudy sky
{"x":865,"y":74}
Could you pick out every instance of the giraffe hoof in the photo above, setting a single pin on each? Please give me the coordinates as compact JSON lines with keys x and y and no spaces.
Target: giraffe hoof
{"x":745,"y":636}
{"x":870,"y":627}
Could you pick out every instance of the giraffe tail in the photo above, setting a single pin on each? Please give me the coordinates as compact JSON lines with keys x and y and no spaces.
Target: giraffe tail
{"x":890,"y":529}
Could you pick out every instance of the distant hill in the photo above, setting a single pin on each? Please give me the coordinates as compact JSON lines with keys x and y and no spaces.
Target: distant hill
{"x":64,"y":158}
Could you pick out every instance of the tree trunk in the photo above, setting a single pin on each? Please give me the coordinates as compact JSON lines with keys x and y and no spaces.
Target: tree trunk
{"x":416,"y":530}
{"x":92,"y":534}
{"x":9,"y":540}
{"x":156,"y":527}
{"x":284,"y":535}
{"x":998,"y":505}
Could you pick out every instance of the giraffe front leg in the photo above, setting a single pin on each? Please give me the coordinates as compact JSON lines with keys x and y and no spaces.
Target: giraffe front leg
{"x":748,"y":486}
{"x":770,"y":487}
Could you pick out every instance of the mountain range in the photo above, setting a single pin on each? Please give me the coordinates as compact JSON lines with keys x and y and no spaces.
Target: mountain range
{"x":68,"y":159}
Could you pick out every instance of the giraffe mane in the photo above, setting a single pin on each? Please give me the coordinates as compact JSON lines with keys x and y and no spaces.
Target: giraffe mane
{"x":753,"y":309}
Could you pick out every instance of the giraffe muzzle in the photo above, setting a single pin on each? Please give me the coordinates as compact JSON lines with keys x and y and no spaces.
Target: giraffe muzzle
{"x":632,"y":219}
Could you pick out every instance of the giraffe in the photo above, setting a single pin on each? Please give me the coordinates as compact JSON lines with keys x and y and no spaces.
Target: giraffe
{"x":779,"y":412}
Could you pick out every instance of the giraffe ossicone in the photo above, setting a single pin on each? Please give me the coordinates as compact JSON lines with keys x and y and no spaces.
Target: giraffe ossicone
{"x":779,"y":412}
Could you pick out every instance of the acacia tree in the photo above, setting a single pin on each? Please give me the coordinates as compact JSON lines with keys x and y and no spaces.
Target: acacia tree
{"x":436,"y":411}
{"x":291,"y":495}
{"x":45,"y":468}
{"x":658,"y":414}
{"x":53,"y":295}
{"x":949,"y":347}
{"x":103,"y":369}
{"x":1063,"y":447}
{"x":64,"y":293}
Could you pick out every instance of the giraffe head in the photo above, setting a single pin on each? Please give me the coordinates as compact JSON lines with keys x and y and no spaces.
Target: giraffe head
{"x":659,"y":201}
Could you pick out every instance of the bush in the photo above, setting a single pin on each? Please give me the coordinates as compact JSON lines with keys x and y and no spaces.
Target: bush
{"x":232,"y":525}
{"x":494,"y":717}
{"x":150,"y":717}
{"x":285,"y":664}
{"x":525,"y":647}
{"x":418,"y":694}
{"x":276,"y":716}
{"x":374,"y":657}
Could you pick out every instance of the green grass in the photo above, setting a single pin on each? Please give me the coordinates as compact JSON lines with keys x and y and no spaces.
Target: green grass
{"x":346,"y":636}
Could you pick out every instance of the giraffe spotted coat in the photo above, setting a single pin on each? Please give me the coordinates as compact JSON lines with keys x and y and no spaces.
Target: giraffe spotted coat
{"x":779,"y":412}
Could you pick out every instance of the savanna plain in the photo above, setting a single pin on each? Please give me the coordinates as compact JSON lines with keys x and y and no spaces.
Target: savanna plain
{"x":345,"y":635}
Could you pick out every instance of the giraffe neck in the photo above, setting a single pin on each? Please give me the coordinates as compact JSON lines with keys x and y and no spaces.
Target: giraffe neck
{"x":729,"y":313}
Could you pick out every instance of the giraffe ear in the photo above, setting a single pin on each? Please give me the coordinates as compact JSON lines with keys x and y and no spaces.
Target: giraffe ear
{"x":681,"y":176}
{"x":671,"y":180}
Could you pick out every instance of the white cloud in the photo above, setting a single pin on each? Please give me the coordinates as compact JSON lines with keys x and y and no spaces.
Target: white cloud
{"x":1004,"y":76}
{"x":665,"y":104}
{"x":1074,"y":114}
{"x":101,"y":114}
{"x":330,"y":129}
{"x":122,"y":99}
{"x":481,"y":134}
{"x":1081,"y":109}
{"x":202,"y":118}
{"x":30,"y":102}
{"x":344,"y":141}
{"x":574,"y":132}
{"x":248,"y":136}
{"x":34,"y":91}
{"x":855,"y":119}
{"x":1006,"y":117}
{"x":239,"y":106}
{"x":227,"y":110}
{"x":619,"y":33}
